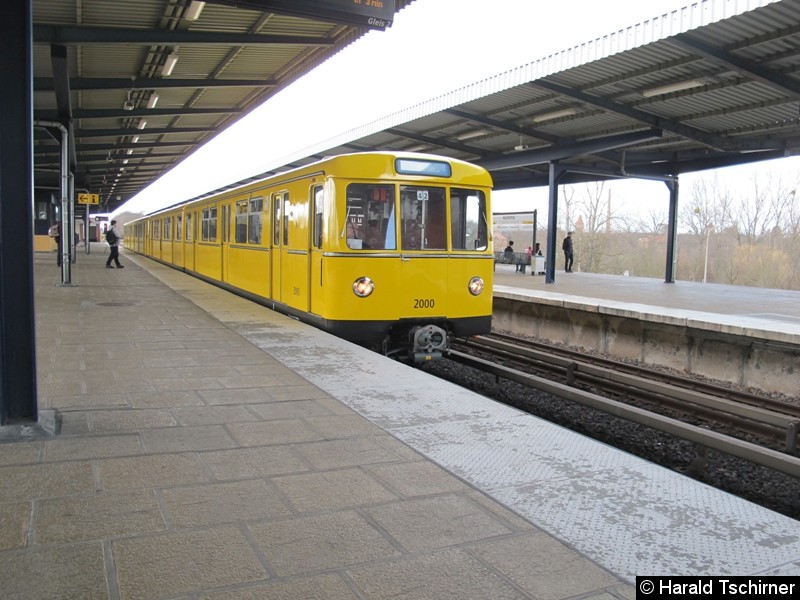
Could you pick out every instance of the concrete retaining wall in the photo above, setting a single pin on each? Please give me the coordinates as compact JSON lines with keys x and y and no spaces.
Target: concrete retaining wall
{"x":725,"y":351}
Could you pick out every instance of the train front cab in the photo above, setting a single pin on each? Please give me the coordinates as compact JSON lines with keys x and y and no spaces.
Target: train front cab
{"x":409,"y":255}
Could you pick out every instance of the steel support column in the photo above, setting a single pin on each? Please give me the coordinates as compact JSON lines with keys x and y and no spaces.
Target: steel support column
{"x":17,"y":324}
{"x":672,"y":230}
{"x":552,"y":222}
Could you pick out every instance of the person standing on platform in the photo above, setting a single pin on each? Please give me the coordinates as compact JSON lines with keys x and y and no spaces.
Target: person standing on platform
{"x":113,"y":238}
{"x":568,"y":254}
{"x":509,"y":252}
{"x":55,"y":233}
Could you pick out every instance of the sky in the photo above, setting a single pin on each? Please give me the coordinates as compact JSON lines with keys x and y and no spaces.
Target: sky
{"x":433,"y":47}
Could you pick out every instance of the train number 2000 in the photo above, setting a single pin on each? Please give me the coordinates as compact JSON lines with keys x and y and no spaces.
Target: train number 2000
{"x":424,"y":303}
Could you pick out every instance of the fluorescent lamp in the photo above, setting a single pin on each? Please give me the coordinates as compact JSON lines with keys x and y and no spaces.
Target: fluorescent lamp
{"x":142,"y":123}
{"x":151,"y":103}
{"x":169,"y":65}
{"x":135,"y":139}
{"x":193,"y":12}
{"x":470,"y":135}
{"x":672,"y":87}
{"x":129,"y":151}
{"x":564,"y":112}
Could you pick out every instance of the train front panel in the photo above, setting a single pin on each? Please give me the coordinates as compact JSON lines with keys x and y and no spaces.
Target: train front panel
{"x":401,"y":256}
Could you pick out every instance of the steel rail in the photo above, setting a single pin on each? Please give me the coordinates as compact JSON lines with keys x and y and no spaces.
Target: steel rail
{"x":574,"y":367}
{"x":703,"y":437}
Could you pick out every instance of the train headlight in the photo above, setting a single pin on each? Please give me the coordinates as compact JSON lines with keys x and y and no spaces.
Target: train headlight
{"x":475,"y":286}
{"x":363,"y":287}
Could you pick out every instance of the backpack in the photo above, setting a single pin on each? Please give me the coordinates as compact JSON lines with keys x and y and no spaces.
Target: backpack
{"x":111,"y":237}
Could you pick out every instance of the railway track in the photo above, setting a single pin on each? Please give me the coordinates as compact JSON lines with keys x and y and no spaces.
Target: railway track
{"x":710,"y":416}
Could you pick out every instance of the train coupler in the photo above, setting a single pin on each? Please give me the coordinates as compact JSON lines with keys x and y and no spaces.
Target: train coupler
{"x":429,"y":342}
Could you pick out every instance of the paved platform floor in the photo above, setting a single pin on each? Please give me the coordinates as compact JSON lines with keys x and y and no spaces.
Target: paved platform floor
{"x":779,"y":308}
{"x":191,"y":463}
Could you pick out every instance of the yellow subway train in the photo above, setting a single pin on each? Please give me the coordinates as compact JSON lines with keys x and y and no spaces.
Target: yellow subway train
{"x":388,"y":250}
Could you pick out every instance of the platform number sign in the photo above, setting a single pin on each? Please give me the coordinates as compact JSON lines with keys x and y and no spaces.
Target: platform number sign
{"x":88,"y":198}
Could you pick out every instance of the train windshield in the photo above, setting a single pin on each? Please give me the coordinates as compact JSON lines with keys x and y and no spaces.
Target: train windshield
{"x":370,"y":221}
{"x":423,"y":224}
{"x":469,"y":228}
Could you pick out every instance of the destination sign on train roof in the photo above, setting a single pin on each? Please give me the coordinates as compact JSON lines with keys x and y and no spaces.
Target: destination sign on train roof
{"x":373,"y":14}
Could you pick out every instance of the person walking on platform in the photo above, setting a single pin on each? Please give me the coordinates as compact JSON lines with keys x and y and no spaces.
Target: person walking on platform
{"x":113,"y":238}
{"x":568,"y":255}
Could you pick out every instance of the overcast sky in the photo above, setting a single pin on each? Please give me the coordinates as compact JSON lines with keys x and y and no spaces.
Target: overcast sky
{"x":433,"y":47}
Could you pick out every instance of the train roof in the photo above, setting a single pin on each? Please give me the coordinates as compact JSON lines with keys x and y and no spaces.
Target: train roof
{"x":471,"y":173}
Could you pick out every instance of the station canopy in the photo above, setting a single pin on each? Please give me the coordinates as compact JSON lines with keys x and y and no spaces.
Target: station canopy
{"x":711,"y":85}
{"x":141,"y":84}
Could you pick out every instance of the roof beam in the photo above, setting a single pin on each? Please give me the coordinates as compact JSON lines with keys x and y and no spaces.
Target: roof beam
{"x":551,"y":153}
{"x":78,"y":35}
{"x":60,"y":68}
{"x":90,"y":133}
{"x":46,"y":84}
{"x":504,"y":125}
{"x":118,"y":113}
{"x":441,"y":142}
{"x":762,"y":74}
{"x":44,"y":150}
{"x":639,"y":115}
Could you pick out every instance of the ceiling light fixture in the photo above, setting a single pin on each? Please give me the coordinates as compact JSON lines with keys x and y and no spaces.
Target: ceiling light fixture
{"x":151,"y":103}
{"x":470,"y":135}
{"x":672,"y":87}
{"x":128,"y":104}
{"x":142,"y":123}
{"x":556,"y":114}
{"x":193,"y":12}
{"x":135,"y":139}
{"x":169,"y":65}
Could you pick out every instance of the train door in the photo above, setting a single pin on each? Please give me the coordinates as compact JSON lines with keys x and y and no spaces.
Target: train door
{"x":315,"y":283}
{"x":177,"y":244}
{"x":167,"y":243}
{"x":225,"y":242}
{"x":276,"y":246}
{"x":189,"y":254}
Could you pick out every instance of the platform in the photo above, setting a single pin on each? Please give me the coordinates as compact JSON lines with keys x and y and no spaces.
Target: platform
{"x":212,"y":448}
{"x":741,"y":335}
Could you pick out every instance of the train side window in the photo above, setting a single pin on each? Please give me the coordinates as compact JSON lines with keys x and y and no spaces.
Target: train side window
{"x":276,"y":220}
{"x":254,"y":221}
{"x":286,"y":211}
{"x":241,"y":222}
{"x":178,"y":228}
{"x":157,"y":229}
{"x":370,"y":217}
{"x":189,"y":227}
{"x":468,"y":220}
{"x":167,"y":228}
{"x":423,"y":224}
{"x":212,"y":224}
{"x":318,"y":196}
{"x":209,"y":226}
